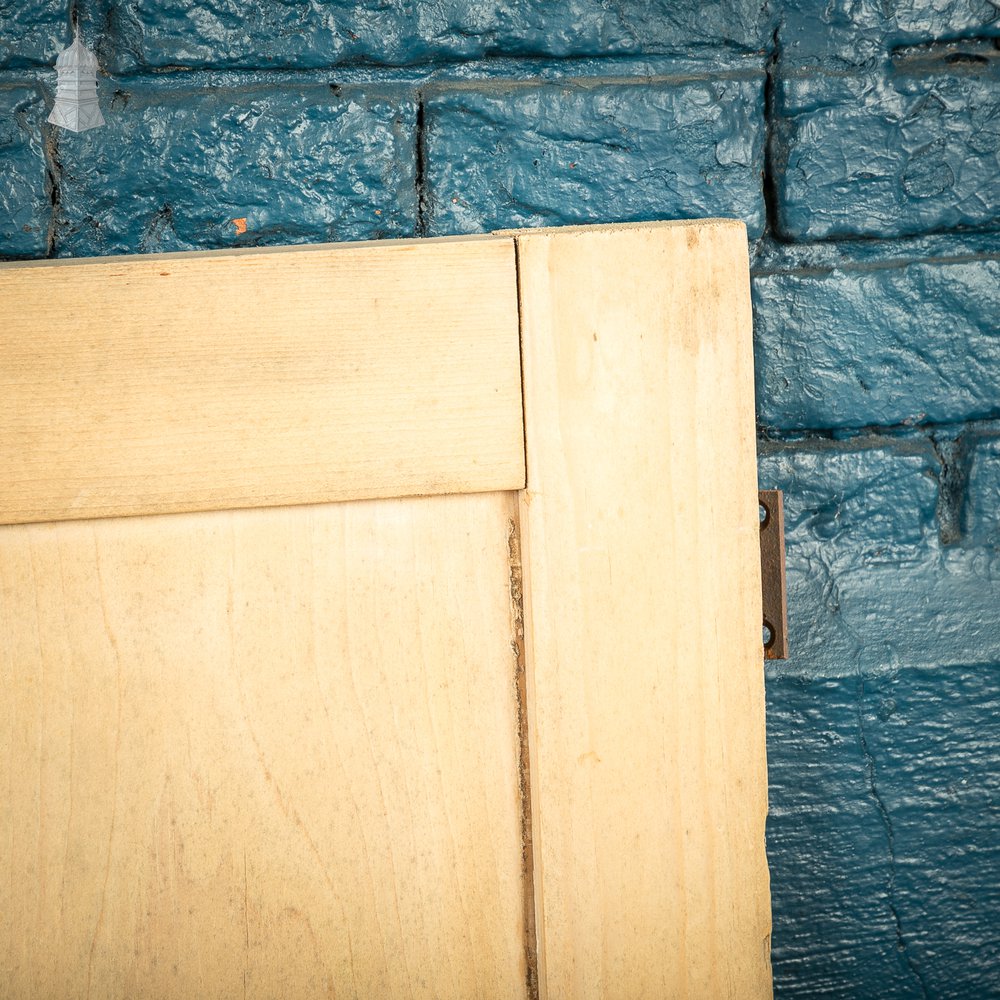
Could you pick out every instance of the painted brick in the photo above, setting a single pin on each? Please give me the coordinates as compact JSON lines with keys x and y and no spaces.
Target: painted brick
{"x":882,"y":835}
{"x":833,"y":933}
{"x":32,"y":32}
{"x":320,"y":33}
{"x":982,"y":513}
{"x":550,"y":154}
{"x":863,"y":32}
{"x":876,"y":156}
{"x":174,"y":168}
{"x":878,"y":343}
{"x":870,"y":585}
{"x":25,"y":208}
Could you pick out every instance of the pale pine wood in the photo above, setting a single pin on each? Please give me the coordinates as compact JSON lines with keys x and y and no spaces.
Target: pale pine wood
{"x":643,"y":614}
{"x":204,"y":381}
{"x":262,"y":753}
{"x":280,"y":752}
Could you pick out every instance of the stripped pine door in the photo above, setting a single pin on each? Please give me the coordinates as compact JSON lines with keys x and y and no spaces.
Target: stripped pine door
{"x":383,"y":621}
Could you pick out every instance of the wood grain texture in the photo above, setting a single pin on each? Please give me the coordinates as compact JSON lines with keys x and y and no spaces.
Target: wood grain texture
{"x":262,"y":753}
{"x":136,"y":385}
{"x":643,"y":613}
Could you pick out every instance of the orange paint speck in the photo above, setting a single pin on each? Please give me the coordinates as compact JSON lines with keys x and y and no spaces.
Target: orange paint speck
{"x":241,"y":226}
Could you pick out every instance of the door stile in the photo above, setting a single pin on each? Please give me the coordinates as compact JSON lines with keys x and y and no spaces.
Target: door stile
{"x":641,"y":610}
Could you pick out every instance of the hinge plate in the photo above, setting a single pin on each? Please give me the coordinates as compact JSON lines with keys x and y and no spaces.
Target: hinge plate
{"x":772,"y":574}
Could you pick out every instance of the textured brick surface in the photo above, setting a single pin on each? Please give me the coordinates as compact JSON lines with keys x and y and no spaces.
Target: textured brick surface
{"x":25,"y":208}
{"x":316,"y":33}
{"x":870,"y":585}
{"x":878,"y":343}
{"x":882,"y":834}
{"x":882,"y":744}
{"x":862,"y":32}
{"x":549,"y":155}
{"x":889,"y":156}
{"x":982,"y":513}
{"x":32,"y":32}
{"x":174,"y":168}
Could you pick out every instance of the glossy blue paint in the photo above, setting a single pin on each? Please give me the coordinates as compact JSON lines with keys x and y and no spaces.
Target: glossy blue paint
{"x":32,"y":32}
{"x":883,"y":748}
{"x":890,"y":153}
{"x":553,"y":155}
{"x":882,"y":833}
{"x":980,"y":512}
{"x":846,"y":34}
{"x":880,"y":341}
{"x":174,"y":169}
{"x":314,"y":34}
{"x":25,"y":205}
{"x":871,"y":581}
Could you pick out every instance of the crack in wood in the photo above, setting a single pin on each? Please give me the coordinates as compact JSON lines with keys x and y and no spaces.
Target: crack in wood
{"x":516,"y":583}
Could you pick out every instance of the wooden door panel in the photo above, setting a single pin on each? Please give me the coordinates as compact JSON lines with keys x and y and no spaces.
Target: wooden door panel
{"x":178,"y":382}
{"x":643,"y":622}
{"x":262,"y":753}
{"x":488,"y":745}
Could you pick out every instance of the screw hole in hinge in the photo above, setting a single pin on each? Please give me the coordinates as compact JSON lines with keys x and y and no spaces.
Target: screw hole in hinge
{"x":765,"y":515}
{"x":767,"y":634}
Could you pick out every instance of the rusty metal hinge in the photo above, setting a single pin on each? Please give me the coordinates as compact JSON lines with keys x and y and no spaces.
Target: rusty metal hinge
{"x":772,"y":574}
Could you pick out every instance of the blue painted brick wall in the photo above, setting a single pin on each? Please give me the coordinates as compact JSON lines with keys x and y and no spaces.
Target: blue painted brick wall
{"x":569,"y":152}
{"x":891,"y":152}
{"x":25,"y":202}
{"x":858,"y":139}
{"x":31,"y":30}
{"x":294,"y":163}
{"x":321,"y":33}
{"x":848,"y":34}
{"x":877,"y":334}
